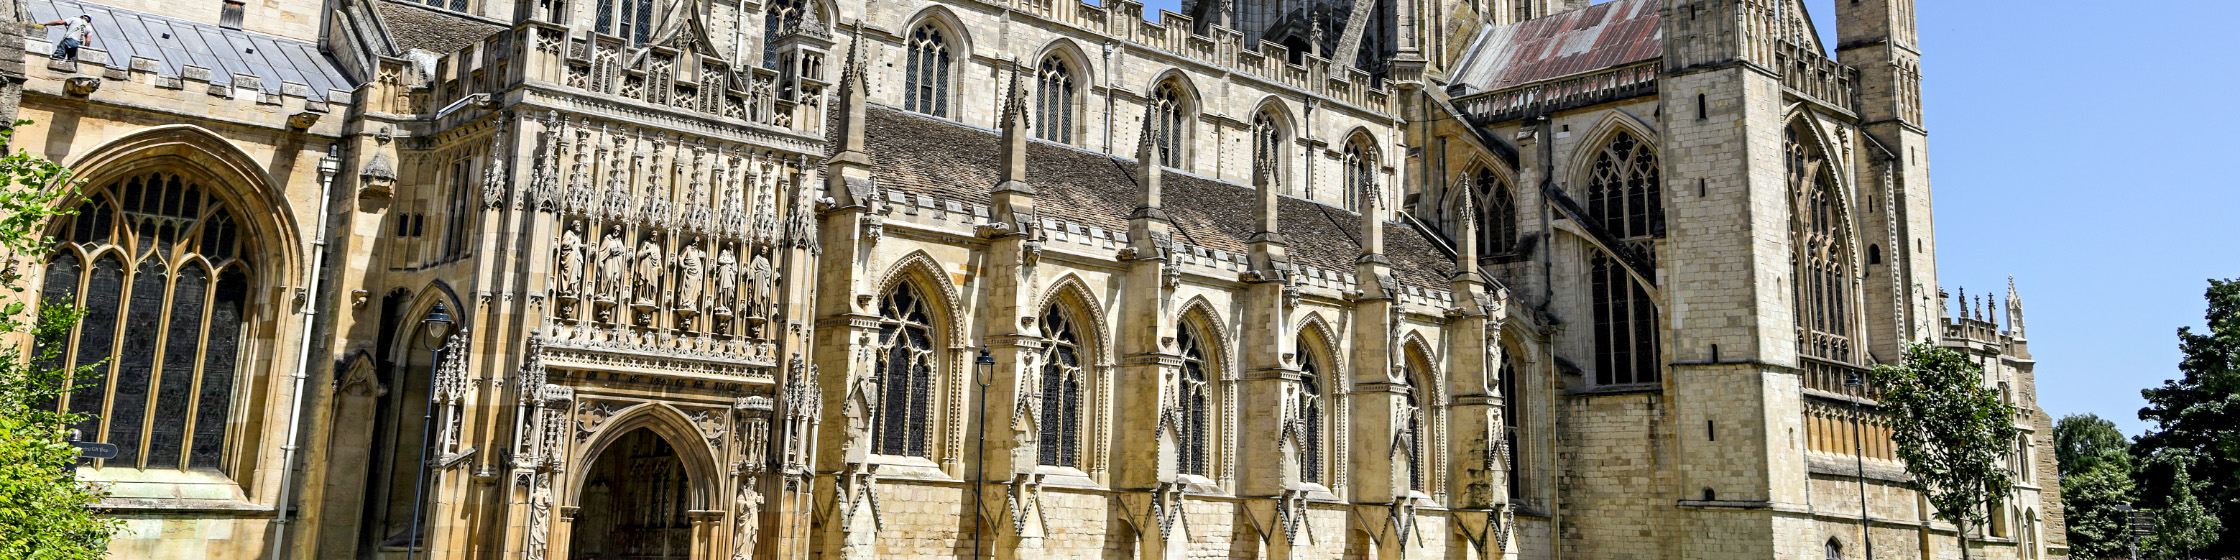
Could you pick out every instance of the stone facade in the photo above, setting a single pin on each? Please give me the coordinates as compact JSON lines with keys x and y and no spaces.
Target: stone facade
{"x":805,"y":279}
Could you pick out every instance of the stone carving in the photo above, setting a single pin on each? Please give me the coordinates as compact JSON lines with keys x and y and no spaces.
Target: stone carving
{"x":750,"y":520}
{"x":540,"y":519}
{"x":613,"y":264}
{"x":691,"y":268}
{"x":727,"y":280}
{"x":761,"y":281}
{"x":649,"y":271}
{"x":571,"y":262}
{"x":494,"y":176}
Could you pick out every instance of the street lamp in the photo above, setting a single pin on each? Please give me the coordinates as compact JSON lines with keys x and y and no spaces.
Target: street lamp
{"x":437,"y":326}
{"x":984,"y":371}
{"x":1858,"y":385}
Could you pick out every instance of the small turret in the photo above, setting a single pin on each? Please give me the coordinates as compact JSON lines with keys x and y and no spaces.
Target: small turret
{"x":2014,"y":311}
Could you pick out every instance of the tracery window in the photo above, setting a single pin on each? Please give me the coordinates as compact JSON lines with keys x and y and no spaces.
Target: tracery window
{"x":1361,"y":171}
{"x":1167,"y":106}
{"x":631,"y":20}
{"x":1054,"y":101}
{"x":1821,"y":263}
{"x":1512,"y":410}
{"x":1267,"y":150}
{"x":1834,"y":550}
{"x":1309,"y":421}
{"x":1497,"y":215}
{"x":165,"y":301}
{"x":1195,"y":399}
{"x":905,"y":373}
{"x":1625,"y":326}
{"x":781,"y":18}
{"x":1414,"y":432}
{"x":926,"y":83}
{"x":1625,"y":193}
{"x":1061,"y":390}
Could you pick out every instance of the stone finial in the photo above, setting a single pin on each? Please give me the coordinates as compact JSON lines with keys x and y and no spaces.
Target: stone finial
{"x":1015,"y":132}
{"x":1466,"y":240}
{"x":1149,"y":172}
{"x":853,"y":98}
{"x":1264,"y":213}
{"x":2014,"y":309}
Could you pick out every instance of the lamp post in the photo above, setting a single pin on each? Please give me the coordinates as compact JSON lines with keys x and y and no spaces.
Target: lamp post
{"x":437,"y":326}
{"x":1858,"y":385}
{"x":983,"y":370}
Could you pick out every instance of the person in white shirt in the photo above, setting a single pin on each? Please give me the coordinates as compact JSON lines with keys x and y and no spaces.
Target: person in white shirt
{"x":76,"y":32}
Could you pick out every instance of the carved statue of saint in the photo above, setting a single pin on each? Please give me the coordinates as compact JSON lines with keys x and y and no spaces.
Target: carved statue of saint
{"x":761,"y":280}
{"x":570,"y":274}
{"x":750,"y":521}
{"x":614,"y":264}
{"x":727,"y":278}
{"x":691,"y":267}
{"x":540,"y":519}
{"x":649,"y":271}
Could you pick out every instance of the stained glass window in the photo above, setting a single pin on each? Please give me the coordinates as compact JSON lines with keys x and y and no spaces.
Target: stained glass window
{"x":1168,"y":106}
{"x":1061,"y":390}
{"x":1309,"y":421}
{"x":161,"y":334}
{"x":1626,"y":195}
{"x":926,"y":80}
{"x":1267,"y":150}
{"x":1412,"y":433}
{"x":1054,"y":101}
{"x":1625,"y":331}
{"x":905,"y":373}
{"x":1361,"y":170}
{"x":1195,"y":401}
{"x":1497,"y":215}
{"x":1821,"y":261}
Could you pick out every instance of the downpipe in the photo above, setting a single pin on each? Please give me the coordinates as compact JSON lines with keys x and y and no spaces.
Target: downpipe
{"x":328,"y":167}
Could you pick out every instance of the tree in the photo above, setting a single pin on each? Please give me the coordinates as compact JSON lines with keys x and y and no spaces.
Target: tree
{"x":2184,"y":525}
{"x":1952,"y":431}
{"x":2200,"y":414}
{"x":45,"y":512}
{"x":2096,"y":471}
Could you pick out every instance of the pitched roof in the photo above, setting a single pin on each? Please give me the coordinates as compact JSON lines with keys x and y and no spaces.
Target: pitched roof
{"x":175,"y":43}
{"x":1597,"y":37}
{"x":415,"y":26}
{"x":947,"y":160}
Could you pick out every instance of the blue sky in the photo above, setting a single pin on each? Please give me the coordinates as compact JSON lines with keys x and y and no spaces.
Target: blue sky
{"x":2088,"y":152}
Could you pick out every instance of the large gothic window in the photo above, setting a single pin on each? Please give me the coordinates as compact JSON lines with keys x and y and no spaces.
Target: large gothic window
{"x":1497,"y":215}
{"x":905,"y":373}
{"x":1267,"y":151}
{"x":926,"y":81}
{"x":1625,"y":326}
{"x":155,"y":263}
{"x":631,"y":20}
{"x":1309,"y":420}
{"x":1413,"y":433}
{"x":1172,"y":113}
{"x":1194,"y":398}
{"x":1061,"y":390}
{"x":1625,"y":194}
{"x":1054,"y":101}
{"x":1821,"y":262}
{"x":1361,"y":171}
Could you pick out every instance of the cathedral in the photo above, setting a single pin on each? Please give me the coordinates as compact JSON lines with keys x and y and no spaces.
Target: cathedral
{"x":856,"y":279}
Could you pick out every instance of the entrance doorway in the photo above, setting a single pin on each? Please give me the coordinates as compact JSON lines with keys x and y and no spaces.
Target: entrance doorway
{"x":635,"y":503}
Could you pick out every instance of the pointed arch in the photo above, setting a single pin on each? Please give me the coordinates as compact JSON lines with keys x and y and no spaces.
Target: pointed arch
{"x":921,"y":267}
{"x":936,"y":46}
{"x":1062,"y":80}
{"x":1071,"y":290}
{"x":670,"y":424}
{"x":239,"y":179}
{"x":1316,"y":354}
{"x":1202,"y":346}
{"x":1619,"y":177}
{"x":1325,"y":335}
{"x":1424,"y":426}
{"x":1824,"y":258}
{"x":1172,"y":101}
{"x":424,"y":300}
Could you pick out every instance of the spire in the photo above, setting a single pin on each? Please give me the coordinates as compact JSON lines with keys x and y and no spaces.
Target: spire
{"x":2014,"y":310}
{"x":1015,"y":131}
{"x":1149,"y":172}
{"x":1466,"y":241}
{"x":853,"y":98}
{"x":1264,"y":214}
{"x":1372,"y":222}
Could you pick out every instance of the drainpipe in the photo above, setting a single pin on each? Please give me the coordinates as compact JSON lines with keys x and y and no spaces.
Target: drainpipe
{"x":328,"y":166}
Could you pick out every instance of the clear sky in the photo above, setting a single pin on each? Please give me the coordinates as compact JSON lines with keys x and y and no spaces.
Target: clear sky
{"x":2089,"y":152}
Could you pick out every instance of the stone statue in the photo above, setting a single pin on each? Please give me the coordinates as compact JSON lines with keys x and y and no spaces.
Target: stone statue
{"x":727,"y":278}
{"x":750,"y":521}
{"x":614,"y":261}
{"x":570,"y":275}
{"x":540,"y":519}
{"x":761,"y":280}
{"x":649,"y":271}
{"x":691,"y":267}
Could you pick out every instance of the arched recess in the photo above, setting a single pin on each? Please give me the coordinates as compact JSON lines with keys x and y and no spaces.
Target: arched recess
{"x":1825,"y":260}
{"x":1426,"y":418}
{"x":396,"y":435}
{"x":264,"y":207}
{"x":1072,"y":375}
{"x":1071,"y":290}
{"x":636,"y":429}
{"x":665,"y":421}
{"x":917,"y":306}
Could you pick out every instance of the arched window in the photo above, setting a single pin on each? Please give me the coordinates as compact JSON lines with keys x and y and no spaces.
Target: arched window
{"x":1195,"y":399}
{"x":1625,"y":193}
{"x":1361,"y":170}
{"x":926,"y":82}
{"x":1834,"y":550}
{"x":1497,"y":215}
{"x":1309,"y":422}
{"x":165,"y":300}
{"x":1416,"y":432}
{"x":1170,"y":106}
{"x":1821,"y":263}
{"x":631,"y":20}
{"x":1267,"y":151}
{"x":1061,"y":390}
{"x":1054,"y":101}
{"x":905,"y":373}
{"x":1512,"y":410}
{"x":780,"y":19}
{"x":1625,"y":326}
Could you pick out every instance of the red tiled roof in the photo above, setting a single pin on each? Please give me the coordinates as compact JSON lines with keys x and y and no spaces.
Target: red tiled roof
{"x":1576,"y":42}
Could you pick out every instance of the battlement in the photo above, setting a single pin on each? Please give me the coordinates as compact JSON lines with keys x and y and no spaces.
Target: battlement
{"x":1221,"y":48}
{"x":242,"y":97}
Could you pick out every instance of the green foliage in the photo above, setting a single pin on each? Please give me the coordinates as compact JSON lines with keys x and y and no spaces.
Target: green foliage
{"x":2185,"y":525}
{"x":45,"y":513}
{"x":1952,"y":431}
{"x":2096,"y":472}
{"x":2199,"y":414}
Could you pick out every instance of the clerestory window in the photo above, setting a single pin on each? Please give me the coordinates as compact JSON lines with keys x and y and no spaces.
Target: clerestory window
{"x":631,"y":20}
{"x":1497,"y":215}
{"x":1054,"y":101}
{"x":1625,"y":194}
{"x":926,"y":81}
{"x":1169,"y":107}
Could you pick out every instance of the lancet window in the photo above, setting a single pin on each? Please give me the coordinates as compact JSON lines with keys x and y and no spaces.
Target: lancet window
{"x":1625,"y":326}
{"x":1497,"y":214}
{"x":1512,"y":412}
{"x":926,"y":80}
{"x":1821,"y":258}
{"x":1054,"y":101}
{"x":1625,"y":194}
{"x":631,"y":20}
{"x":905,"y":373}
{"x":1194,"y":399}
{"x":155,"y":262}
{"x":1414,"y":431}
{"x":1062,"y":385}
{"x":1309,"y":420}
{"x":1169,"y":107}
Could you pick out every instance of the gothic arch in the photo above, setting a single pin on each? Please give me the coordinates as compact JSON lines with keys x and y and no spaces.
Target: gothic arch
{"x":1209,"y":322}
{"x":1838,"y":170}
{"x":1193,"y":100}
{"x":422,"y":301}
{"x":921,"y":268}
{"x":1070,"y":290}
{"x":234,"y":176}
{"x":948,"y":22}
{"x":1362,"y":135}
{"x":1072,"y":53}
{"x":1605,"y":130}
{"x":668,"y":423}
{"x":1326,"y":341}
{"x":1414,"y":340}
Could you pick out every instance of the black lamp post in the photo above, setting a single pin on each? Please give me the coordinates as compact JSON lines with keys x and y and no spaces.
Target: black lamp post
{"x":1858,"y":385}
{"x":983,"y":370}
{"x":437,"y":325}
